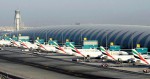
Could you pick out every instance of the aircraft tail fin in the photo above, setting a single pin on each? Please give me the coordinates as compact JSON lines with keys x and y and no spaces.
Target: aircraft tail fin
{"x":23,"y":44}
{"x":72,"y":46}
{"x":74,"y":49}
{"x":136,"y":54}
{"x":105,"y":52}
{"x":20,"y":41}
{"x":11,"y":40}
{"x":55,"y":45}
{"x":58,"y":47}
{"x":37,"y":42}
{"x":139,"y":56}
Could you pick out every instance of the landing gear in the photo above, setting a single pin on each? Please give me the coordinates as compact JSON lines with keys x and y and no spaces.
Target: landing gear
{"x":136,"y":62}
{"x":146,"y":70}
{"x":1,"y":48}
{"x":104,"y":58}
{"x":85,"y":59}
{"x":38,"y":50}
{"x":119,"y":61}
{"x":3,"y":77}
{"x":131,"y":62}
{"x":25,"y":50}
{"x":31,"y":49}
{"x":76,"y":60}
{"x":104,"y":65}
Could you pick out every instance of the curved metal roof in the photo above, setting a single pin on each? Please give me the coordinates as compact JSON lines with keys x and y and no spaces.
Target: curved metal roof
{"x":122,"y":35}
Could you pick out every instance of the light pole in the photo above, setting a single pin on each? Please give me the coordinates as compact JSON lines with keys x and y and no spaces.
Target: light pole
{"x":46,"y":36}
{"x":81,"y":39}
{"x":132,"y":40}
{"x":62,"y":38}
{"x":106,"y":40}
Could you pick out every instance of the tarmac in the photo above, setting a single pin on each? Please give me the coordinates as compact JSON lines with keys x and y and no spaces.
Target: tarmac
{"x":62,"y":64}
{"x":29,"y":72}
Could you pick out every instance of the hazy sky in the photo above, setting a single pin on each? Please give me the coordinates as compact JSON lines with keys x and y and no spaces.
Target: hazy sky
{"x":60,"y":12}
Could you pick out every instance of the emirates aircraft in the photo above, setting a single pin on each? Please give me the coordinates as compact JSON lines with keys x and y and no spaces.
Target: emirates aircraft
{"x":15,"y":43}
{"x":143,"y":60}
{"x":5,"y":42}
{"x":63,"y":50}
{"x":92,"y":53}
{"x":45,"y":48}
{"x":28,"y":45}
{"x":117,"y":57}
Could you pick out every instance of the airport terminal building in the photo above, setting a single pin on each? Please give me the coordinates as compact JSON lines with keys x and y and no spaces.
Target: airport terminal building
{"x":127,"y":36}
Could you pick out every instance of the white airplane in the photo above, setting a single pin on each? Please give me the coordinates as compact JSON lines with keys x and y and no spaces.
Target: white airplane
{"x":15,"y":43}
{"x":63,"y":50}
{"x":28,"y":45}
{"x":142,"y":60}
{"x":117,"y":57}
{"x":92,"y":53}
{"x":113,"y":52}
{"x":140,"y":57}
{"x":5,"y":42}
{"x":46,"y":48}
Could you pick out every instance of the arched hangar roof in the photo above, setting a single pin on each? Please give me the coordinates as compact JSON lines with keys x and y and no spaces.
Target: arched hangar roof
{"x":124,"y":35}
